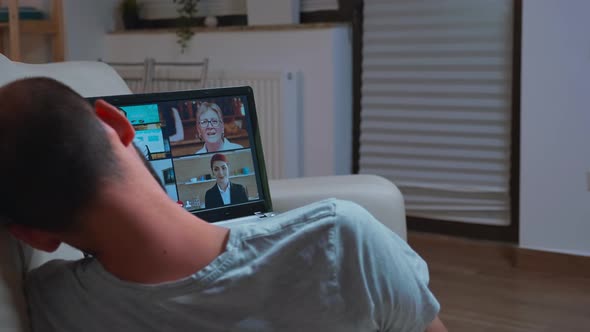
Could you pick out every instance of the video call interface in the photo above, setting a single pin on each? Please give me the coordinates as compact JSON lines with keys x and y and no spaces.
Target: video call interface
{"x":200,"y":150}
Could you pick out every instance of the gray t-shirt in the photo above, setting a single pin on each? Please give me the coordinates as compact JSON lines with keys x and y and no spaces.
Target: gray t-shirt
{"x":329,"y":266}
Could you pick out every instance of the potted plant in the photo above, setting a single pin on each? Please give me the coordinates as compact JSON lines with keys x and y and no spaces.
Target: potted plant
{"x":130,"y":13}
{"x":187,"y":12}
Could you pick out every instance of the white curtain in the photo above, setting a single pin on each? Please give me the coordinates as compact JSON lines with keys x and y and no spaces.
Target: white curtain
{"x":436,"y":105}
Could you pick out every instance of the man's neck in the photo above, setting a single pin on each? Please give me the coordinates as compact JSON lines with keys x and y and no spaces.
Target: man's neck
{"x":153,"y":243}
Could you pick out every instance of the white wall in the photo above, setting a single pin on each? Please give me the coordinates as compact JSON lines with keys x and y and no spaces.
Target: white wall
{"x":555,"y":131}
{"x":321,"y":56}
{"x":86,"y":23}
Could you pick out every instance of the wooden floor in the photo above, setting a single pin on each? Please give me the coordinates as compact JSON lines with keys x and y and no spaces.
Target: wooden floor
{"x":480,"y":289}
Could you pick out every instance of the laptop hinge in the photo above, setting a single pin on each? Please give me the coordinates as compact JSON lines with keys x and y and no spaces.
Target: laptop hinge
{"x":264,"y":215}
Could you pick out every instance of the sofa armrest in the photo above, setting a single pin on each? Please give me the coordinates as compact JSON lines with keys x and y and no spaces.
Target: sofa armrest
{"x":376,"y":194}
{"x":13,"y":311}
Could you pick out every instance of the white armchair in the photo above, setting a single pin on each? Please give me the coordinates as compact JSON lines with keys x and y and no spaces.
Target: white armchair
{"x":376,"y":194}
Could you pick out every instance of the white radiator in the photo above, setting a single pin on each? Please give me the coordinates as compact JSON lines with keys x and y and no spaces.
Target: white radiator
{"x":277,"y":101}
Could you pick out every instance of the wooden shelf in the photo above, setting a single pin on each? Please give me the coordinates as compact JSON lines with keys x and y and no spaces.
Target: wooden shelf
{"x":53,"y":26}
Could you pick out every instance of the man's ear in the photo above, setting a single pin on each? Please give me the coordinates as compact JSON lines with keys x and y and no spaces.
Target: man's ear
{"x":110,"y":115}
{"x":36,"y":238}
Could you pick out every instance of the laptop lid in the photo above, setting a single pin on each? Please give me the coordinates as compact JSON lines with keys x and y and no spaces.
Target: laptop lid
{"x":204,"y":145}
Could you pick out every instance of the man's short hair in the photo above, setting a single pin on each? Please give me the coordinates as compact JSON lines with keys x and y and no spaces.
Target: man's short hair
{"x":55,"y":154}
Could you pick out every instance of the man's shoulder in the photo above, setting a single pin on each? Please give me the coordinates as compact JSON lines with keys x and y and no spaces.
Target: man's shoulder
{"x":344,"y":215}
{"x":357,"y":229}
{"x":347,"y":221}
{"x":52,"y":273}
{"x":352,"y":217}
{"x":52,"y":269}
{"x":51,"y":278}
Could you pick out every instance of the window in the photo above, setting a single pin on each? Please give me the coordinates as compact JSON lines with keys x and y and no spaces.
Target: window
{"x":436,"y":105}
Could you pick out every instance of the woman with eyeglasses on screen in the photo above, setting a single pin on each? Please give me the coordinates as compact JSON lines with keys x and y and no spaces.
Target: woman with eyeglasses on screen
{"x":210,"y":129}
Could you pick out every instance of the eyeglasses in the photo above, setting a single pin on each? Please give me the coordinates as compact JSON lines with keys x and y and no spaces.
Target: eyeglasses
{"x":214,"y":123}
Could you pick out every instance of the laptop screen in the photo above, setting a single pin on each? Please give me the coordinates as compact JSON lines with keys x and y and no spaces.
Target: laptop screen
{"x":204,"y":146}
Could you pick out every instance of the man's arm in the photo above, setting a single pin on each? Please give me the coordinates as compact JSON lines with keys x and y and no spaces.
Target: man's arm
{"x":436,"y":326}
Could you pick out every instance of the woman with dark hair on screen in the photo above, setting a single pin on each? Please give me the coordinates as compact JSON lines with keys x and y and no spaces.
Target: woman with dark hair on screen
{"x":223,"y":192}
{"x":210,"y":129}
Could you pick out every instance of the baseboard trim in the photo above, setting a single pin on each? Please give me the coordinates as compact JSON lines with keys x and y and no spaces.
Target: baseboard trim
{"x":552,"y":262}
{"x":508,"y":234}
{"x":546,"y":262}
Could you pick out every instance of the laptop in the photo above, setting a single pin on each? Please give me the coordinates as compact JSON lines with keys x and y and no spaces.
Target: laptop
{"x":177,"y":147}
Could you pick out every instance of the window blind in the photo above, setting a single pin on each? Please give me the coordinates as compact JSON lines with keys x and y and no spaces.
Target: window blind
{"x":435,"y":105}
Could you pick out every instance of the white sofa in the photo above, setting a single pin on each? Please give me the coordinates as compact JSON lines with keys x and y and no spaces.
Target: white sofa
{"x":376,"y":194}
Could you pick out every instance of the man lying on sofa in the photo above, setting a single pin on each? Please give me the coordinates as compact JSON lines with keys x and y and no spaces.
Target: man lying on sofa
{"x":71,"y":174}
